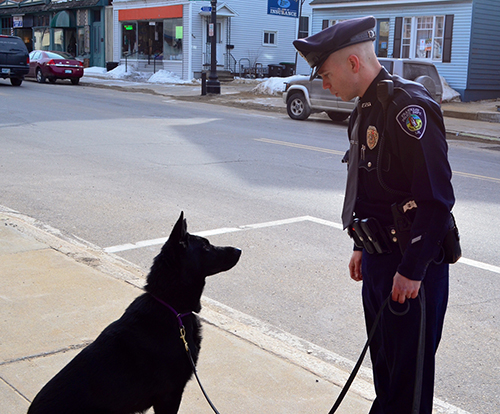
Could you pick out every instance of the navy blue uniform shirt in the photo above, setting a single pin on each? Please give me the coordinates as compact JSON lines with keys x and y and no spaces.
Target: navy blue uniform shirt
{"x":414,"y":161}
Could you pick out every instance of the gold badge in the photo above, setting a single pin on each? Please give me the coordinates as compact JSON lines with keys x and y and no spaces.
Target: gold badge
{"x":371,"y":137}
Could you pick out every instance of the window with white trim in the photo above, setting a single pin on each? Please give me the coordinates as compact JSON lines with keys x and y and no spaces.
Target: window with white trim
{"x":422,"y":37}
{"x":270,"y":38}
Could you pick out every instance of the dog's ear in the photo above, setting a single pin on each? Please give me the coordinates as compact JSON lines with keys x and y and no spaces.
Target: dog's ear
{"x":179,"y":232}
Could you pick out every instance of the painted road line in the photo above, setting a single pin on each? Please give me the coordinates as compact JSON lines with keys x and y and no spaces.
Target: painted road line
{"x":307,"y":147}
{"x":225,"y":230}
{"x":206,"y":233}
{"x":330,"y":151}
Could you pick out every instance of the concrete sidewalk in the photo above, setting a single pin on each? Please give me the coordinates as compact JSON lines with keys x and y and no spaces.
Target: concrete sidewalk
{"x":477,"y":121}
{"x":57,"y":295}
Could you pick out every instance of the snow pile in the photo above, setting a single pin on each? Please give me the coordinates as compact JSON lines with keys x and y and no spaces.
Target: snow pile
{"x":164,"y":76}
{"x":161,"y":76}
{"x":449,"y":94}
{"x":275,"y":86}
{"x":94,"y":70}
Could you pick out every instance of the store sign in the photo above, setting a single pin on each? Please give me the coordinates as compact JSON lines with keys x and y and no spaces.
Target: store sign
{"x":17,"y":21}
{"x":287,"y":8}
{"x":128,"y":27}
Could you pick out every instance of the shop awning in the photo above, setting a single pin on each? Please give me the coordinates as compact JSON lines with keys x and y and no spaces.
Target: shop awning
{"x":63,"y":19}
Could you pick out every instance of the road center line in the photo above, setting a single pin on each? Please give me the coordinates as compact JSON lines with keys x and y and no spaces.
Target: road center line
{"x":307,"y":147}
{"x":330,"y":151}
{"x":225,"y":230}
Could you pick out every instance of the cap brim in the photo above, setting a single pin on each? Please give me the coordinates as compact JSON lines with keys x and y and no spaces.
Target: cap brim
{"x":316,"y":69}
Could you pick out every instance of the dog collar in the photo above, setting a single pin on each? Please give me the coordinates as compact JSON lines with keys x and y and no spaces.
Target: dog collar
{"x":178,"y":315}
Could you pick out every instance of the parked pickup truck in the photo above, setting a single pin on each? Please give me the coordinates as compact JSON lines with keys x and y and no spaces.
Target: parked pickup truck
{"x":303,"y":97}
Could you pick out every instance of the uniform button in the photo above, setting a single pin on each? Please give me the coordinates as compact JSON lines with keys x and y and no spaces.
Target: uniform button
{"x":369,"y":164}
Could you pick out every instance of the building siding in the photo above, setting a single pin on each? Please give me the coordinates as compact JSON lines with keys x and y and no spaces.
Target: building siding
{"x":484,"y":72}
{"x":455,"y":72}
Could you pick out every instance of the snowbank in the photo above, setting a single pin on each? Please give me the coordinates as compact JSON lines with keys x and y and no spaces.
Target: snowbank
{"x":161,"y":76}
{"x":449,"y":94}
{"x":275,"y":86}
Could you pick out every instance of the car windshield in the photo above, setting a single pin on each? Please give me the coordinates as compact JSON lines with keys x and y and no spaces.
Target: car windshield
{"x":59,"y":55}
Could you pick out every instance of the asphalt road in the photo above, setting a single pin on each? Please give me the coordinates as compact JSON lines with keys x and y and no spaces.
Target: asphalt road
{"x":115,"y":169}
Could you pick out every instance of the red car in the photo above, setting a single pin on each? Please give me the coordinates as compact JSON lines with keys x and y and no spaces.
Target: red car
{"x":54,"y":65}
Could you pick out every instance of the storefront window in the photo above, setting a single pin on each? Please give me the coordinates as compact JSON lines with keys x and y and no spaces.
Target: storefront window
{"x":80,"y":42}
{"x":153,"y":39}
{"x":129,"y":38}
{"x":42,"y":39}
{"x":172,"y":39}
{"x":58,"y":40}
{"x":150,"y":42}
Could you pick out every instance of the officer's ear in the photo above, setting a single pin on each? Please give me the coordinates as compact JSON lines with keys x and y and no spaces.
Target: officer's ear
{"x":353,"y":63}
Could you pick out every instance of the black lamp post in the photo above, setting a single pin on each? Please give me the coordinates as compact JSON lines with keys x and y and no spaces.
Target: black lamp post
{"x":213,"y":84}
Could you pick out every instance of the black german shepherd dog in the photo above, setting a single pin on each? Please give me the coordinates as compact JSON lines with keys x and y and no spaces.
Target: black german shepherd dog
{"x":140,"y":361}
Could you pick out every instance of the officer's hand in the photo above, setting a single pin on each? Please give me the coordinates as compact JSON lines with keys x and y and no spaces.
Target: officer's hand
{"x":355,"y":265}
{"x":404,"y":288}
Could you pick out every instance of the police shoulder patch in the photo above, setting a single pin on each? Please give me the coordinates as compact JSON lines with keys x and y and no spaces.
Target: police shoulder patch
{"x":413,"y":120}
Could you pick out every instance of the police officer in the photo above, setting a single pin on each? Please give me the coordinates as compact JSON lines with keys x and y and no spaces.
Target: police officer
{"x":397,"y":154}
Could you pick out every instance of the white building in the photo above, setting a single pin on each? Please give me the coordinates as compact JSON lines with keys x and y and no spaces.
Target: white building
{"x":174,"y":34}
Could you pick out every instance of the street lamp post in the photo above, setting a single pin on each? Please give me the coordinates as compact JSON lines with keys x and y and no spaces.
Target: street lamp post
{"x":213,"y":84}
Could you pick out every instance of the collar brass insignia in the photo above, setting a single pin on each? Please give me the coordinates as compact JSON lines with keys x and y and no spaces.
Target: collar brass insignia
{"x":372,"y":137}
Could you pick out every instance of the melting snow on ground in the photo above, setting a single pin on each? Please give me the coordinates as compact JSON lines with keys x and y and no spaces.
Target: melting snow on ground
{"x":266,"y":86}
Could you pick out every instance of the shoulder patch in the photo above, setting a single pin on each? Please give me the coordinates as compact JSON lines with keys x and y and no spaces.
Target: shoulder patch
{"x":413,"y":120}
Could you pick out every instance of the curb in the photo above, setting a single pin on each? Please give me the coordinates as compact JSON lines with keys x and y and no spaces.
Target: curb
{"x":474,"y":116}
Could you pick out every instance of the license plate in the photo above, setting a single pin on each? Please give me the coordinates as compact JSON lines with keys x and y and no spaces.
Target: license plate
{"x":68,"y":71}
{"x":6,"y":70}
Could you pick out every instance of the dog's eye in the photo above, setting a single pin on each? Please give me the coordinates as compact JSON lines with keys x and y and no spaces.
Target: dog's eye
{"x":206,"y":247}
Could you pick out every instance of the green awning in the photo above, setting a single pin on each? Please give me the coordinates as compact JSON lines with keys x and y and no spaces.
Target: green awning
{"x":63,"y":19}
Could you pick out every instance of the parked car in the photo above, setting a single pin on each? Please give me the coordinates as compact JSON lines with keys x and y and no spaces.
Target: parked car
{"x":303,"y":97}
{"x":14,"y":59}
{"x":49,"y":65}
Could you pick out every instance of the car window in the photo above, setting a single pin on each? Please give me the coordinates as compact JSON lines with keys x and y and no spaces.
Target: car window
{"x":59,"y":55}
{"x":412,"y":71}
{"x":388,"y":65}
{"x":10,"y":44}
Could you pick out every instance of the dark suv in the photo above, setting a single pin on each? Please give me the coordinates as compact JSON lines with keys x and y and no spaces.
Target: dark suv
{"x":14,"y":59}
{"x":303,"y":97}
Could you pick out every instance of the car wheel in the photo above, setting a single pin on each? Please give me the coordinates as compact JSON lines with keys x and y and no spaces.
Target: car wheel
{"x":39,"y":76}
{"x":297,"y":107}
{"x":52,"y":80}
{"x":337,"y":116}
{"x":75,"y":81}
{"x":16,"y":81}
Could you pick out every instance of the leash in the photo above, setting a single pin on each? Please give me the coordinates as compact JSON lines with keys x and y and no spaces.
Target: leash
{"x":182,"y":331}
{"x":417,"y":394}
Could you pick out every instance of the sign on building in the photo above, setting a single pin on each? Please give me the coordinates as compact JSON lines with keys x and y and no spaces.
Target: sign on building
{"x":287,"y":8}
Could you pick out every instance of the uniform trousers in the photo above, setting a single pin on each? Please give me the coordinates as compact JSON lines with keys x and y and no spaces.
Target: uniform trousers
{"x":393,"y":349}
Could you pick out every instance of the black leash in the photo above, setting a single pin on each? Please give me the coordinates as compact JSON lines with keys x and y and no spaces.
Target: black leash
{"x":420,"y":354}
{"x":182,"y":331}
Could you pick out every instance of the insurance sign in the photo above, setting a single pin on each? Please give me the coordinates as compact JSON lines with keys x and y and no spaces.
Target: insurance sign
{"x":287,"y":8}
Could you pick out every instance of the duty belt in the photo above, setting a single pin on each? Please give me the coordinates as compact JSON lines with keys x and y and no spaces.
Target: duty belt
{"x":372,"y":236}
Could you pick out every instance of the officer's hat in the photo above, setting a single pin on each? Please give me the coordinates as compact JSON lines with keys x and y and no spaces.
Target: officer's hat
{"x":315,"y":49}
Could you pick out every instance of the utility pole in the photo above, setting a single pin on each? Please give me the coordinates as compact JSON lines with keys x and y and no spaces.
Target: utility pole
{"x":213,"y":84}
{"x":298,"y":32}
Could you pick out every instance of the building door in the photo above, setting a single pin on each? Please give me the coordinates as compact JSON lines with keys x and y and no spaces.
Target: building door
{"x":96,"y":45}
{"x":220,"y":39}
